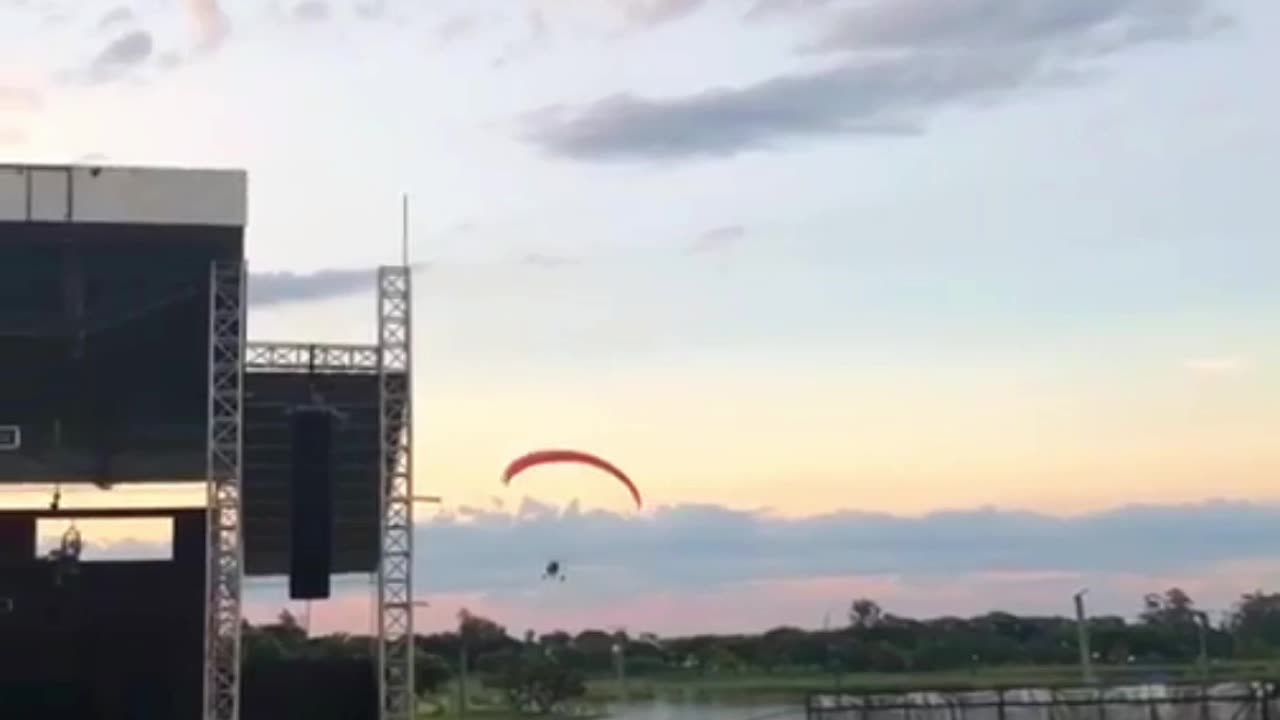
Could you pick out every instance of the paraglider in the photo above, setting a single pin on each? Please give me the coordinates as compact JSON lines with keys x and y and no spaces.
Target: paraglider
{"x":545,"y":457}
{"x":553,"y":571}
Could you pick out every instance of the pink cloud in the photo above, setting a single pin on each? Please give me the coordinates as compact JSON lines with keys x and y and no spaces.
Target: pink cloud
{"x":16,"y":98}
{"x":808,"y":602}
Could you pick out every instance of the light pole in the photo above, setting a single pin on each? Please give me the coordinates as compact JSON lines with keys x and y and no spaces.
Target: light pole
{"x":833,"y":659}
{"x":464,"y":698}
{"x":620,"y":666}
{"x":619,"y":652}
{"x":1082,"y":638}
{"x":1202,"y":632}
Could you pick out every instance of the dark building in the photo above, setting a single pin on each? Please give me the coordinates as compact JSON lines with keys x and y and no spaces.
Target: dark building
{"x":102,"y":640}
{"x":104,"y":318}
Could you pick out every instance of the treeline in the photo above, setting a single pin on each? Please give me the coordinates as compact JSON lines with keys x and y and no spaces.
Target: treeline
{"x":1169,"y":630}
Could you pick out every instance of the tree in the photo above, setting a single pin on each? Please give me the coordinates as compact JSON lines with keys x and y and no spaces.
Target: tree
{"x":430,"y":672}
{"x":864,"y":613}
{"x":480,"y":633}
{"x":874,"y":641}
{"x":776,"y":648}
{"x":595,"y":647}
{"x":1174,"y":607}
{"x":536,"y":682}
{"x":558,"y":638}
{"x":481,"y":639}
{"x":593,"y":641}
{"x":1255,"y":624}
{"x":287,"y":629}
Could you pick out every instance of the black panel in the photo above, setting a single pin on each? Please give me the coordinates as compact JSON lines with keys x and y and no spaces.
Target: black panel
{"x":117,"y":641}
{"x":311,"y":505}
{"x":17,"y":539}
{"x":309,"y":689}
{"x":104,"y":349}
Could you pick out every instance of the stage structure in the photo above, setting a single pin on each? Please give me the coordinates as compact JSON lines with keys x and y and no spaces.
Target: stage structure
{"x":78,"y":640}
{"x":124,"y":358}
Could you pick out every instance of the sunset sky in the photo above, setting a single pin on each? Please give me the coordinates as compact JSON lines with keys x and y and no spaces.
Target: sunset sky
{"x":813,"y":271}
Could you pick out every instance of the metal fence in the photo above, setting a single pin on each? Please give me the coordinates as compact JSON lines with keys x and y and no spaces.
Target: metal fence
{"x":1222,"y":701}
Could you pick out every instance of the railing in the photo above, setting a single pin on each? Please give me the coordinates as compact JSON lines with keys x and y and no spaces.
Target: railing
{"x":1223,"y":701}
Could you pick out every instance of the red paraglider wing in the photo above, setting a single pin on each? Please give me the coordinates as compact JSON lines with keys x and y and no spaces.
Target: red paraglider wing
{"x":545,"y":457}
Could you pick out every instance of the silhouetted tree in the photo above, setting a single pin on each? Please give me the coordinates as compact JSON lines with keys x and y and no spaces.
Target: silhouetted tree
{"x":864,"y":613}
{"x":1255,"y":625}
{"x":1173,"y":607}
{"x":535,"y":681}
{"x":538,"y":670}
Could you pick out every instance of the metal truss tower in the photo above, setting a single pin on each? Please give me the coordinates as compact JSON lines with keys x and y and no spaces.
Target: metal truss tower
{"x":225,"y":556}
{"x":391,"y":359}
{"x":395,"y":567}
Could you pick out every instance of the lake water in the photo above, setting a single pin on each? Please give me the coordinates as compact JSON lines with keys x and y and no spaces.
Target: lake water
{"x":703,"y":709}
{"x":1226,"y":701}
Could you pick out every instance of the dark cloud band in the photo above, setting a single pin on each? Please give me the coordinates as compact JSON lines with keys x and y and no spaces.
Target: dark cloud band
{"x":278,"y":288}
{"x":709,"y":547}
{"x":697,"y":546}
{"x":900,"y":62}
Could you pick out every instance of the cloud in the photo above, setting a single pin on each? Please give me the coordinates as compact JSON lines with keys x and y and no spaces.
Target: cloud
{"x":211,"y":24}
{"x":706,"y":545}
{"x":650,"y":13}
{"x":12,"y":137}
{"x":312,"y":11}
{"x":763,"y":9}
{"x":459,"y":27}
{"x":281,"y":287}
{"x":1045,"y":26}
{"x":121,"y":55}
{"x":543,"y":260}
{"x":1219,"y":365}
{"x":116,"y":16}
{"x":901,"y":63}
{"x":20,"y":99}
{"x":681,"y":567}
{"x":534,"y":35}
{"x":716,"y":240}
{"x":943,"y":562}
{"x":862,"y":98}
{"x":277,"y":288}
{"x":372,"y":10}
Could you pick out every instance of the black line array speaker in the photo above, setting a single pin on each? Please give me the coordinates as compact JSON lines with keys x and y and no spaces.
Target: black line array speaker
{"x":311,"y":504}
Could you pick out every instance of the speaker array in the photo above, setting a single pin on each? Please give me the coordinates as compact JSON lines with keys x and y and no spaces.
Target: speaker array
{"x":311,"y":504}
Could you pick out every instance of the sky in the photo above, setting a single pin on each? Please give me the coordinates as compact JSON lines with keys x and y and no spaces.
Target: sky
{"x":955,"y":303}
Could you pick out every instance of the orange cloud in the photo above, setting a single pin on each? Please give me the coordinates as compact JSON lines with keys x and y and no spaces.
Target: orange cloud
{"x":1219,"y":365}
{"x":210,"y":22}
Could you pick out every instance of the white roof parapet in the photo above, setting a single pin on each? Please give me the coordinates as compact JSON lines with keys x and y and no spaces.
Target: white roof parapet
{"x":123,"y":195}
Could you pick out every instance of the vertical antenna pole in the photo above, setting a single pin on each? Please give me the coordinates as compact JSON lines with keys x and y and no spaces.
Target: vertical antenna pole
{"x":404,"y":230}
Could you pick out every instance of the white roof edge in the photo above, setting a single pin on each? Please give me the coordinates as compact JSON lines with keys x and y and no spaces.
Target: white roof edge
{"x":111,"y":166}
{"x":115,"y":194}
